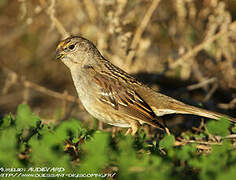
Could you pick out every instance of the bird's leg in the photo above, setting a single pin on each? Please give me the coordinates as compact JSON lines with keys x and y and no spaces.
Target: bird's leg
{"x":114,"y":130}
{"x":128,"y":131}
{"x":167,"y":131}
{"x":133,"y":129}
{"x":166,"y":128}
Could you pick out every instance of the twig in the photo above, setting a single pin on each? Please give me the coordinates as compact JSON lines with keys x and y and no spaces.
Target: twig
{"x":231,"y":136}
{"x":203,"y":144}
{"x":211,"y":92}
{"x":11,"y":79}
{"x":91,"y":9}
{"x":55,"y":21}
{"x":201,"y":126}
{"x":49,"y":92}
{"x":26,"y":94}
{"x":140,"y":30}
{"x":183,"y":142}
{"x":42,"y":89}
{"x":199,"y":145}
{"x":199,"y":75}
{"x":230,"y":105}
{"x":201,"y":84}
{"x":64,"y":105}
{"x":201,"y":46}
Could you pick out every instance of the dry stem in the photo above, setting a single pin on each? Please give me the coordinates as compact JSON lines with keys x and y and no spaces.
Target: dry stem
{"x":140,"y":30}
{"x":42,"y":89}
{"x":55,"y":21}
{"x":201,"y":46}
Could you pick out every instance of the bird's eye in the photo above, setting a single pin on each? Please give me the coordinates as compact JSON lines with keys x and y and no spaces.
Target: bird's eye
{"x":71,"y":47}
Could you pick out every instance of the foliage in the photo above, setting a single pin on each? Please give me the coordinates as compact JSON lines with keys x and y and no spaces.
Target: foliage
{"x":219,"y":127}
{"x":26,"y":142}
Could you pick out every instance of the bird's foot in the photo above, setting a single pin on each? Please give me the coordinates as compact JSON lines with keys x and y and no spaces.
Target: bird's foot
{"x":133,"y":129}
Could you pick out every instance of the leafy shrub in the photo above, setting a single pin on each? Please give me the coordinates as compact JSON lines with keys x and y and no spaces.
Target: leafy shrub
{"x":28,"y":143}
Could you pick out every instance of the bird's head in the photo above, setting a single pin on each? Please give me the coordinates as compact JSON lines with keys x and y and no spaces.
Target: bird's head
{"x":76,"y":51}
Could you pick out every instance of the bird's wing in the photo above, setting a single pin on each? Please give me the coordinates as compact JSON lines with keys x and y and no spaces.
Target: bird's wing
{"x":119,"y":96}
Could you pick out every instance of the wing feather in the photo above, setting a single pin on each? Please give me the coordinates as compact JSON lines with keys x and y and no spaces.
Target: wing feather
{"x":121,"y":97}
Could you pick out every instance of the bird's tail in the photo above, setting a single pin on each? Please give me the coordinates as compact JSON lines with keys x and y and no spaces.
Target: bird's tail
{"x":187,"y":109}
{"x":162,"y":104}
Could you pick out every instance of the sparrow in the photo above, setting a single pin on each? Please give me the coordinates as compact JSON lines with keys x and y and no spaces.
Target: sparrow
{"x":113,"y":96}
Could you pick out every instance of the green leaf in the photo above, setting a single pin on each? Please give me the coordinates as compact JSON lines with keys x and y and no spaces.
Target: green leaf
{"x":220,"y":127}
{"x":214,"y":163}
{"x":8,"y":151}
{"x":234,"y":128}
{"x":134,"y":164}
{"x":70,"y":129}
{"x":6,"y":121}
{"x":25,"y":118}
{"x":97,"y":154}
{"x":186,"y":152}
{"x":48,"y":150}
{"x":167,"y":142}
{"x":227,"y":175}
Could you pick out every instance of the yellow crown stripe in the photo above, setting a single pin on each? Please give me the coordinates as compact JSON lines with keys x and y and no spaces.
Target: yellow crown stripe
{"x":61,"y":44}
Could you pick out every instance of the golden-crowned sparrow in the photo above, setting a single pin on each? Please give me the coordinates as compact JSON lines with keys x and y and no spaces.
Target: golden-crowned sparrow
{"x":112,"y":95}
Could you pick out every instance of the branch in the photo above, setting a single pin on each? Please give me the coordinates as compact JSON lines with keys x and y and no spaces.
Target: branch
{"x":201,"y":46}
{"x":55,"y":21}
{"x":141,"y":29}
{"x":42,"y":89}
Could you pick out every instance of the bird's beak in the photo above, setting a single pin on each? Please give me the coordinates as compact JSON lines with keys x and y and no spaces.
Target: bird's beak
{"x":59,"y":54}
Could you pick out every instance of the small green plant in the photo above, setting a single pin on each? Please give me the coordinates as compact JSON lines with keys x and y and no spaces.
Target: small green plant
{"x":71,"y":150}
